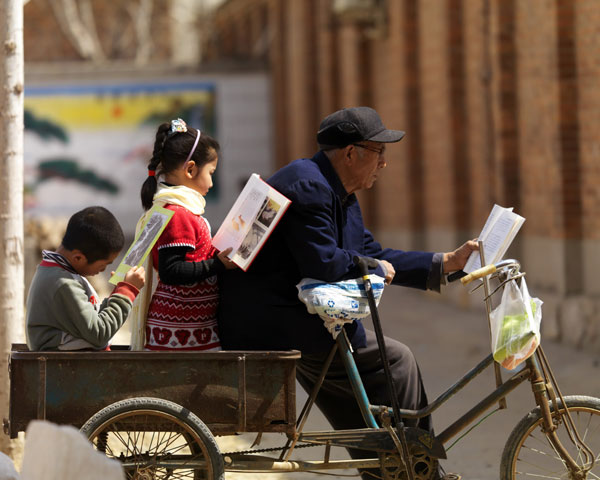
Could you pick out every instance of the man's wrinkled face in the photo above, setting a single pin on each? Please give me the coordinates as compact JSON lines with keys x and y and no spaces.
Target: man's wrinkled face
{"x":371,"y":159}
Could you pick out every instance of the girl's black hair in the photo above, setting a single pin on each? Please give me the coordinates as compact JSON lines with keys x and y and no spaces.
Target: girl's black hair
{"x":170,"y":151}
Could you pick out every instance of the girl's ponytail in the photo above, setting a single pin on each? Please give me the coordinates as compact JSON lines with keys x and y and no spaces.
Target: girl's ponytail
{"x":150,"y":184}
{"x":148,"y":190}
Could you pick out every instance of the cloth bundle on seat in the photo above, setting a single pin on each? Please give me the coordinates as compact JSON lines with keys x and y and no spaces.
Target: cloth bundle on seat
{"x":338,"y":303}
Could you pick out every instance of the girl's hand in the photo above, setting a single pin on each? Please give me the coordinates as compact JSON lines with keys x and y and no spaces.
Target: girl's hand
{"x":136,"y":276}
{"x":229,"y":265}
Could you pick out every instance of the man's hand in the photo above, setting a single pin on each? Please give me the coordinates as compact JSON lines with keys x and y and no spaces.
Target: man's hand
{"x":456,"y":260}
{"x":136,"y":276}
{"x":229,"y":265}
{"x":389,"y":271}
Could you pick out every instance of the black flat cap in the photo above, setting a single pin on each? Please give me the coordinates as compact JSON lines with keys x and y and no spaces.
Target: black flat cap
{"x":356,"y":124}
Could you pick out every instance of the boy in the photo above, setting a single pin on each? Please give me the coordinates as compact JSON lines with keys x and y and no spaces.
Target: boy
{"x":62,"y":306}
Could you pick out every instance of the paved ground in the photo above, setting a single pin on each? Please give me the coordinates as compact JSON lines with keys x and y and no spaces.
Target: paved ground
{"x":448,"y":341}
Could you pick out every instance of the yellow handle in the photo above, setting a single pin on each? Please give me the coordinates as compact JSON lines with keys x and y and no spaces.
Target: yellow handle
{"x":480,"y":272}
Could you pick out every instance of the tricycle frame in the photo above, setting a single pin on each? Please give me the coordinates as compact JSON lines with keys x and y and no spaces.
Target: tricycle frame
{"x":263,"y":400}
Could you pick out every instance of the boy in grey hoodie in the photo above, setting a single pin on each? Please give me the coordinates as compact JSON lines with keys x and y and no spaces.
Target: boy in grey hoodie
{"x":63,"y":310}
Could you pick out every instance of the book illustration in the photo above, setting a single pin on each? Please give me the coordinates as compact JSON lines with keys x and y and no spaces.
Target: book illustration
{"x":269,"y":212}
{"x":144,"y":241}
{"x":238,"y":223}
{"x":497,"y":234}
{"x":251,"y":241}
{"x":250,"y":221}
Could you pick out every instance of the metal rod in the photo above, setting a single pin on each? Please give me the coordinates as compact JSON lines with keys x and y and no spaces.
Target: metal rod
{"x":264,"y":464}
{"x":291,"y":443}
{"x":403,"y":450}
{"x":41,"y":410}
{"x":445,"y":396}
{"x":355,"y":381}
{"x":483,"y":405}
{"x":488,"y":308}
{"x":540,"y":392}
{"x":242,"y":393}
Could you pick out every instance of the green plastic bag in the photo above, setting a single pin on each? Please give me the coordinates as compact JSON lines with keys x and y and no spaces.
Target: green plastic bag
{"x":515,"y":325}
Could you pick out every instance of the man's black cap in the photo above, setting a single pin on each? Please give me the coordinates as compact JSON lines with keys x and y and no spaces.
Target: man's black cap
{"x":351,"y":125}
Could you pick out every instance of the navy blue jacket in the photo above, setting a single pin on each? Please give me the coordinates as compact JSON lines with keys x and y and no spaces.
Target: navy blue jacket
{"x":317,"y":237}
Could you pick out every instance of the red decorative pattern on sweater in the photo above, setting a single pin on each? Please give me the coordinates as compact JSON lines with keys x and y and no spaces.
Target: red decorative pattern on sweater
{"x":184,"y":317}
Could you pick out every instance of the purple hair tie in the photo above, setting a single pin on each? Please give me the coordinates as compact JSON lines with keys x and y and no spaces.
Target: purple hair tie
{"x":198,"y":133}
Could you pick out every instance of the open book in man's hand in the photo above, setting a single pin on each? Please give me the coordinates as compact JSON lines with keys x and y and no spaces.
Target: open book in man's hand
{"x":250,"y":221}
{"x":498,"y":233}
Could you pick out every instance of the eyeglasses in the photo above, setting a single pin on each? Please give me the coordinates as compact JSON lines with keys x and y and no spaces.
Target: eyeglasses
{"x":378,"y":151}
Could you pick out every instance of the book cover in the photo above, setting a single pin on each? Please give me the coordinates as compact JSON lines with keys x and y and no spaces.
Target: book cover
{"x":254,"y":215}
{"x":144,"y":241}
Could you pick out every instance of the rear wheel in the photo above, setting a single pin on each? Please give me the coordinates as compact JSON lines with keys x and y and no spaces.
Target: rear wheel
{"x":529,"y":454}
{"x":155,"y":439}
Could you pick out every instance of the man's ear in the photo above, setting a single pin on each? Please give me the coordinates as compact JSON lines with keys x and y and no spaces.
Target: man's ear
{"x":348,"y":151}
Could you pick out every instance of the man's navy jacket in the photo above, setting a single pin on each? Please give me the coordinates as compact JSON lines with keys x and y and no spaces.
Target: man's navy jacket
{"x":317,"y":237}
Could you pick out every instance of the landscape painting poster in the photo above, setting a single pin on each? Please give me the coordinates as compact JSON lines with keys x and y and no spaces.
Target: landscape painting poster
{"x":90,"y":144}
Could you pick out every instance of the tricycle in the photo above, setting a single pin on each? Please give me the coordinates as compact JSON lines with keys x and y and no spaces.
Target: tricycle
{"x":158,"y":412}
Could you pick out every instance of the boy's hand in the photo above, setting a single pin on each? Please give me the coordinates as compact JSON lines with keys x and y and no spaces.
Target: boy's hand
{"x":229,"y":265}
{"x":136,"y":276}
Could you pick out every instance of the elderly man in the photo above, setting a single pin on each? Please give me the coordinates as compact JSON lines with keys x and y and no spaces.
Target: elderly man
{"x":318,"y":237}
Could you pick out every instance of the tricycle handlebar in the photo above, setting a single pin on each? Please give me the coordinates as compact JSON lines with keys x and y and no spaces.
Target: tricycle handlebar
{"x":488,"y":270}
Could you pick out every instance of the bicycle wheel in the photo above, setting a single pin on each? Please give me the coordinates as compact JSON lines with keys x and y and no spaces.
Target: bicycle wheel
{"x":529,"y":454}
{"x":155,"y":439}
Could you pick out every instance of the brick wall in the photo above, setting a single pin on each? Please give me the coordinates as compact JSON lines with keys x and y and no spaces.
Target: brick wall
{"x":500,"y":102}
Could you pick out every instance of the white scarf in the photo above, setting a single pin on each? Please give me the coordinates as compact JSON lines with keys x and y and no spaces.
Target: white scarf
{"x":176,"y":195}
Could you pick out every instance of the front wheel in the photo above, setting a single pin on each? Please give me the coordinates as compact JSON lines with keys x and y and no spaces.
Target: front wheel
{"x":529,"y":454}
{"x":155,"y":439}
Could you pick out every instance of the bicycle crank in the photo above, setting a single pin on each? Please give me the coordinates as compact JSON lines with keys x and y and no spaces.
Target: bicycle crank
{"x":424,"y":467}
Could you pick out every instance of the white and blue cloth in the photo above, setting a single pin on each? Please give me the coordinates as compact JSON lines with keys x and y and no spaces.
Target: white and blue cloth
{"x":341,"y":302}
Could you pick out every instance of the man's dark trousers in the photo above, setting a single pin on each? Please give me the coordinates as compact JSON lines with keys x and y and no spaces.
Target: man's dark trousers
{"x":336,"y":399}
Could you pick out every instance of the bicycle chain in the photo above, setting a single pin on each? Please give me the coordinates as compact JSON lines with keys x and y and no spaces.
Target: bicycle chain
{"x":273,"y":449}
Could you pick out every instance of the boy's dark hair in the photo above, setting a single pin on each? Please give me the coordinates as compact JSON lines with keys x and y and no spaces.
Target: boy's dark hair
{"x":171,"y":151}
{"x":95,"y":232}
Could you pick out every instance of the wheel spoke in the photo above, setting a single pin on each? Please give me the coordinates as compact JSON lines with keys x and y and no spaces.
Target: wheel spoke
{"x":538,"y":476}
{"x":145,"y":440}
{"x":530,"y":453}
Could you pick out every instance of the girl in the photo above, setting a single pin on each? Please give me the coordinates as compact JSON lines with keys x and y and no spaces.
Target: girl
{"x":182,"y":311}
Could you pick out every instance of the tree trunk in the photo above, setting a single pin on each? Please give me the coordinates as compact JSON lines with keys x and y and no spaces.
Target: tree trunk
{"x":11,"y":194}
{"x":77,"y":22}
{"x":185,"y":37}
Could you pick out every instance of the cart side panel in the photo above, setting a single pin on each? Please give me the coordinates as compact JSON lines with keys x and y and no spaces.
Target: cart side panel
{"x":230,"y":392}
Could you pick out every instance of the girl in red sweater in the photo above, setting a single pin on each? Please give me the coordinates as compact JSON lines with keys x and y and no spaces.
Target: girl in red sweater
{"x":182,"y":311}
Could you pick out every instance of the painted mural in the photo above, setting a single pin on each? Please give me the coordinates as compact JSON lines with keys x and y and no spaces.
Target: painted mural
{"x":89,"y":144}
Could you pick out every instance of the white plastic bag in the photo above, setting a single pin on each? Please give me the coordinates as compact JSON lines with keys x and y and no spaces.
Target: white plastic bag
{"x":515,"y":325}
{"x":339,"y":302}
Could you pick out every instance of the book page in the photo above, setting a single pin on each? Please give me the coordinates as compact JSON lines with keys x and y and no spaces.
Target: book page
{"x":497,"y":234}
{"x":513,"y":228}
{"x":250,"y":221}
{"x":238,"y":222}
{"x":495,"y":214}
